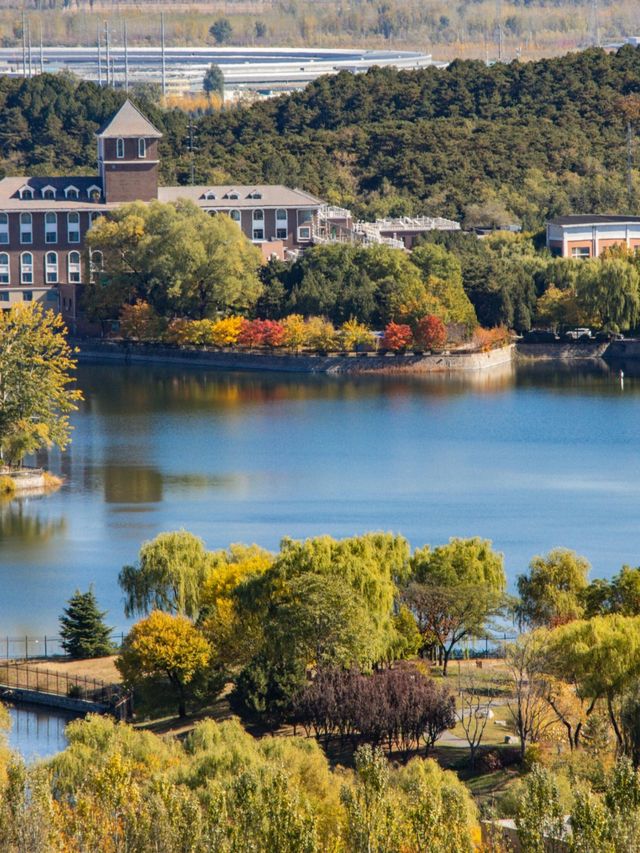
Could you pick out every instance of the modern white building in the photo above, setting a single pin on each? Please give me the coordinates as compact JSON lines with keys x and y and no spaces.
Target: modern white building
{"x":586,"y":236}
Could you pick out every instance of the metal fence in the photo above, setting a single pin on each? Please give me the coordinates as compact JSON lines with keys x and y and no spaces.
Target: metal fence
{"x":17,"y":675}
{"x":44,"y":646}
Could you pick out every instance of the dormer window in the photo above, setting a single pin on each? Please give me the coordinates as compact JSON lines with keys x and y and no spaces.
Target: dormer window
{"x":233,"y":195}
{"x":255,"y":194}
{"x":48,"y":192}
{"x":25,"y":192}
{"x":72,"y":192}
{"x":94,"y":192}
{"x":142,"y":148}
{"x":120,"y":148}
{"x":209,"y":195}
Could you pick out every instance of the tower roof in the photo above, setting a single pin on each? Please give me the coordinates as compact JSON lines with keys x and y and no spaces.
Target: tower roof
{"x":129,"y":121}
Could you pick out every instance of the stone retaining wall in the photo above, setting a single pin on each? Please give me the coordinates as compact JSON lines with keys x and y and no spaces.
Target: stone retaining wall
{"x":26,"y":479}
{"x":96,"y":351}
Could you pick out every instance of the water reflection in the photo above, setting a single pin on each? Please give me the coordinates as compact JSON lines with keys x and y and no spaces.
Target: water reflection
{"x":20,"y":519}
{"x":37,"y":732}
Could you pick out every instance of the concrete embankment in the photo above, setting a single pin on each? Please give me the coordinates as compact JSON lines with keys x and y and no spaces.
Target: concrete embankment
{"x":26,"y":479}
{"x":351,"y":363}
{"x":583,"y":351}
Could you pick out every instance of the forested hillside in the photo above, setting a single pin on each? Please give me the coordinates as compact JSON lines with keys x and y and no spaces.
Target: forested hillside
{"x":530,"y":140}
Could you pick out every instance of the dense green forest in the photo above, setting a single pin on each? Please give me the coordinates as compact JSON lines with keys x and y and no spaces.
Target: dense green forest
{"x":521,"y":140}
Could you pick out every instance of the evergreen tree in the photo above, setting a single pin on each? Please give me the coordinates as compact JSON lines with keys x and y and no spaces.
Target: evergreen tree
{"x":82,"y":627}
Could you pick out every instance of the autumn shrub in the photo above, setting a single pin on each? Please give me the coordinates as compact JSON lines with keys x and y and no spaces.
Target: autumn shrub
{"x":7,"y":487}
{"x":430,"y":332}
{"x":354,"y":335}
{"x":140,"y":322}
{"x":182,"y":332}
{"x":225,"y":332}
{"x":397,"y":337}
{"x":261,"y":333}
{"x":295,"y":332}
{"x":488,"y":339}
{"x":321,"y":334}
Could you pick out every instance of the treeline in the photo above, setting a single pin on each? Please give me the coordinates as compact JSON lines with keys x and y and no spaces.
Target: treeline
{"x":523,"y":141}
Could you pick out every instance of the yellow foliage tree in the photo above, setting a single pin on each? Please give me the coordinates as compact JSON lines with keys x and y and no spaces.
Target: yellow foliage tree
{"x":140,"y":322}
{"x":164,"y":646}
{"x":225,"y":332}
{"x":296,"y":331}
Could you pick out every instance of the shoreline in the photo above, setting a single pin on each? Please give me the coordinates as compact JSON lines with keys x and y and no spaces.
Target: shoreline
{"x":340,"y":364}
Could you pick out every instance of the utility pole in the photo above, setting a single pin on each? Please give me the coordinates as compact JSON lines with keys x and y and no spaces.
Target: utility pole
{"x":107,"y":44}
{"x":99,"y":58}
{"x":24,"y":44}
{"x":29,"y":47}
{"x":41,"y":51}
{"x":596,"y":24}
{"x":192,"y":149}
{"x":499,"y":33}
{"x":126,"y":57}
{"x":630,"y":163}
{"x":162,"y":46}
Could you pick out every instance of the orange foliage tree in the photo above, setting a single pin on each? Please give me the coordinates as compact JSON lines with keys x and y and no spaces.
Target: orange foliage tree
{"x":397,"y":336}
{"x":431,"y":332}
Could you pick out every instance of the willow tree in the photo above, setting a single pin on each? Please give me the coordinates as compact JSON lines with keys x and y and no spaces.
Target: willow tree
{"x":169,"y":575}
{"x":455,"y":591}
{"x":36,"y":375}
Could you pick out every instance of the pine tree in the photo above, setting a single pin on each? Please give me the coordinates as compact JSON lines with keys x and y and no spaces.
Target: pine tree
{"x":82,"y":628}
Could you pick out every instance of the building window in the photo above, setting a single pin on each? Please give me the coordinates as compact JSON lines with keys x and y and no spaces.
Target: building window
{"x":51,"y":268}
{"x":26,"y":192}
{"x":74,"y":267}
{"x":254,"y":194}
{"x":26,"y":268}
{"x":27,"y":295}
{"x":282,"y":224}
{"x":4,"y":268}
{"x":26,"y":228}
{"x":209,"y":195}
{"x":48,"y":192}
{"x":73,"y":227}
{"x":233,"y":196}
{"x":4,"y":296}
{"x":50,"y":228}
{"x":93,"y":217}
{"x":235,"y":215}
{"x":580,"y":252}
{"x":142,"y":148}
{"x":119,"y":148}
{"x":95,"y":263}
{"x":71,"y":192}
{"x":94,"y":192}
{"x":4,"y":228}
{"x":304,"y":232}
{"x":258,"y":225}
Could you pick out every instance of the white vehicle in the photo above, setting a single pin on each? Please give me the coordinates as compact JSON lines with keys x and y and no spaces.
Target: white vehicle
{"x":576,"y":334}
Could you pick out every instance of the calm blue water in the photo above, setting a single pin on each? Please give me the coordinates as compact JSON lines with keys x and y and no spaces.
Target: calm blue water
{"x":531,"y":459}
{"x":37,"y":732}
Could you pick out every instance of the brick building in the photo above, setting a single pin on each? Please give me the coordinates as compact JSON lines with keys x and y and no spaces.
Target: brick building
{"x":587,"y":236}
{"x":43,"y":221}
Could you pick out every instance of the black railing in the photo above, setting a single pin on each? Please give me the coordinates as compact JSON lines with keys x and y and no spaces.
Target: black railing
{"x":43,"y":646}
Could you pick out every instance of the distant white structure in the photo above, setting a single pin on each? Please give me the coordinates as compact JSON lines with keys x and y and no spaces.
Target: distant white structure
{"x":265,"y":71}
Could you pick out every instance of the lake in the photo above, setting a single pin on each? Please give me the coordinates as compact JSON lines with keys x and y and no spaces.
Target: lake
{"x":37,"y":732}
{"x":531,"y":457}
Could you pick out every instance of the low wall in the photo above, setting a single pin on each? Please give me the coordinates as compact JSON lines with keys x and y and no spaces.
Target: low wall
{"x":562,"y":351}
{"x":25,"y":480}
{"x":51,"y":700}
{"x":96,"y":351}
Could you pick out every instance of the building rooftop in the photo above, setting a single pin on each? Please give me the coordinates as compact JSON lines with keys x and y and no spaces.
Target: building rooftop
{"x":129,"y":122}
{"x":10,"y":188}
{"x":592,"y":219}
{"x":238,"y":196}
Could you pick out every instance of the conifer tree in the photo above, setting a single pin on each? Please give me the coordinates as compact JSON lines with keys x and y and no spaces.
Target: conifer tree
{"x":82,"y":627}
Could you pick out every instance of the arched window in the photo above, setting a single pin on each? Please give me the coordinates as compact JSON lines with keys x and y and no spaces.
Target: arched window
{"x":209,"y":195}
{"x":73,"y":227}
{"x":26,"y":228}
{"x":48,"y":192}
{"x":119,"y":148}
{"x":26,"y":192}
{"x":72,"y":192}
{"x":95,"y":263}
{"x":142,"y":148}
{"x":282,"y":224}
{"x":93,"y":217}
{"x":4,"y":228}
{"x":51,"y":268}
{"x":235,"y":215}
{"x":94,"y":192}
{"x":26,"y":268}
{"x":258,"y":224}
{"x":74,"y":267}
{"x":50,"y":228}
{"x":4,"y":268}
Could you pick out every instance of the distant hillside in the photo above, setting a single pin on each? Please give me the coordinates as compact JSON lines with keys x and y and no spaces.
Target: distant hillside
{"x":525,"y":140}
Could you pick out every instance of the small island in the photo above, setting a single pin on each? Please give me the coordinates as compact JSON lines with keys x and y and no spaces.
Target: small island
{"x":36,"y":398}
